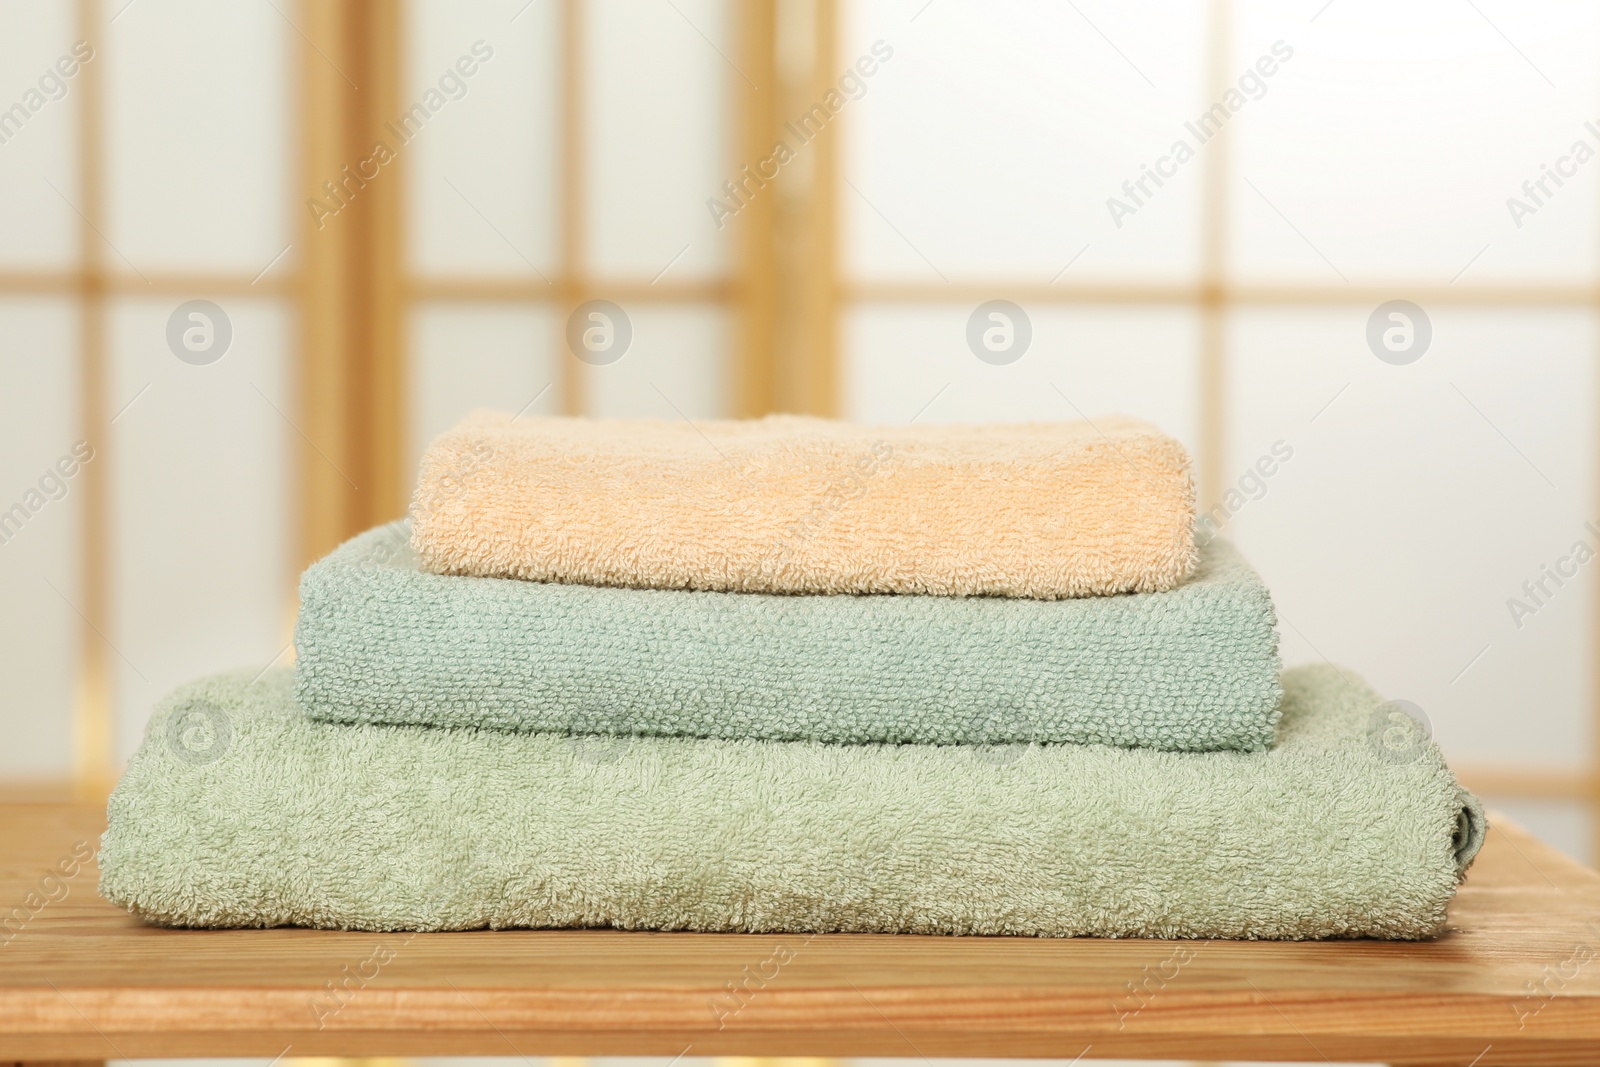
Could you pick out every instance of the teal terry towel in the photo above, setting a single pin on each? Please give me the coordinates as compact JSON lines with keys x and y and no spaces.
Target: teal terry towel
{"x":380,"y":640}
{"x":240,"y":811}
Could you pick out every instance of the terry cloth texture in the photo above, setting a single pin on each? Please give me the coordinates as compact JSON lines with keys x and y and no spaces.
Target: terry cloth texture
{"x":789,"y":504}
{"x":380,"y":640}
{"x":240,"y":811}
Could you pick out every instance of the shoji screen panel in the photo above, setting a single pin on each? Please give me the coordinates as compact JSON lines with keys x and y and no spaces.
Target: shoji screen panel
{"x":913,"y":361}
{"x":985,"y":147}
{"x":199,"y":149}
{"x":40,"y":577}
{"x":148,"y":169}
{"x":1230,"y":300}
{"x":201,"y":502}
{"x":576,"y":168}
{"x":1423,"y":495}
{"x":468,"y":356}
{"x":482,"y":213}
{"x":38,"y":156}
{"x":483,"y":176}
{"x":1417,"y":502}
{"x":660,"y":81}
{"x":975,"y":169}
{"x":41,"y":545}
{"x":1393,"y":138}
{"x":676,"y":367}
{"x":199,"y":135}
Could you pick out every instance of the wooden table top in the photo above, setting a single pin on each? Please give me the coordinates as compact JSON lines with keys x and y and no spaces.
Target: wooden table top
{"x":1516,"y":981}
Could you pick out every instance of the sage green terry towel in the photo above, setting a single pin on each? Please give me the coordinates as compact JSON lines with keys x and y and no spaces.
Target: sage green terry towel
{"x":240,"y":811}
{"x":381,"y":640}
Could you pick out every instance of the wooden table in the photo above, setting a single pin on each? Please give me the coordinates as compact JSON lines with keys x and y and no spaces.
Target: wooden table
{"x":1517,"y":981}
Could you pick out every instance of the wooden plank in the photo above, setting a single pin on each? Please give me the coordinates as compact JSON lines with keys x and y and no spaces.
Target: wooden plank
{"x":755,"y":87}
{"x":349,"y":422}
{"x":93,"y":721}
{"x":1211,"y":467}
{"x":785,"y":229}
{"x":571,"y":228}
{"x":814,"y":369}
{"x":283,"y":283}
{"x":1234,"y":294}
{"x":1516,"y":974}
{"x":1541,"y":783}
{"x":1594,"y":679}
{"x":154,"y":283}
{"x":374,"y":418}
{"x":326,"y":295}
{"x":535,"y":290}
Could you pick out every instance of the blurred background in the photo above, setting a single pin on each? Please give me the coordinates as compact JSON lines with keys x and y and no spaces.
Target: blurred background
{"x":254,"y":254}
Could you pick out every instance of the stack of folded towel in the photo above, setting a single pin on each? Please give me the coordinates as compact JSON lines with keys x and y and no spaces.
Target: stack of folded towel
{"x":791,"y":675}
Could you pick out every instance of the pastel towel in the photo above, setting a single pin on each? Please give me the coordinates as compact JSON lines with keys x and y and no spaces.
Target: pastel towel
{"x":789,"y":504}
{"x":380,"y":640}
{"x":240,"y":811}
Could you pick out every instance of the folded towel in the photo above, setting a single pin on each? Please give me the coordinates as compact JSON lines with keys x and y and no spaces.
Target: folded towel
{"x":239,"y":811}
{"x":380,"y":640}
{"x":800,"y":505}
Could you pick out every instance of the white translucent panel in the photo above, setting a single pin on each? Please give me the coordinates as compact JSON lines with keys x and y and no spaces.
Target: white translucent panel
{"x":471,"y":356}
{"x":482,"y":173}
{"x":676,"y":366}
{"x":1394,"y":137}
{"x":203,"y":519}
{"x":1565,"y":825}
{"x":1417,"y":501}
{"x":200,"y":153}
{"x":661,"y":92}
{"x":38,"y":135}
{"x":989,"y":144}
{"x":904,"y":362}
{"x":41,"y":497}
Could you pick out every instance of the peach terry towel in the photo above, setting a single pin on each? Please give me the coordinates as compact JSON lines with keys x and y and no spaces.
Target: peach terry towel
{"x":790,"y":504}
